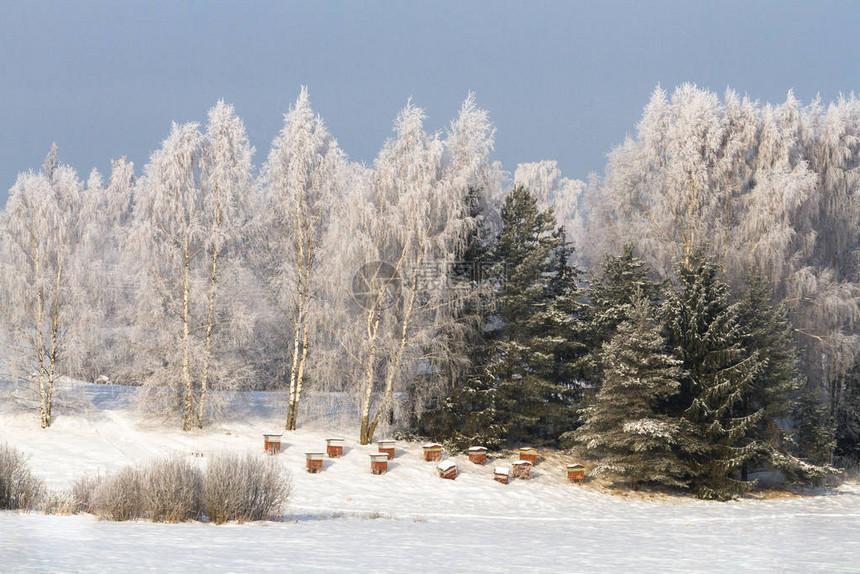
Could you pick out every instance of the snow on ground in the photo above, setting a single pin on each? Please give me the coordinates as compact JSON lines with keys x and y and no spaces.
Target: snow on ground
{"x":347,"y":519}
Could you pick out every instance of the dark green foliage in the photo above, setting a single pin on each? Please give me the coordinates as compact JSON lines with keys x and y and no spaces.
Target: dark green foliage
{"x":539,"y":343}
{"x":719,"y":373}
{"x":464,"y":418}
{"x":621,"y":279}
{"x":729,"y":401}
{"x":775,"y":388}
{"x":766,"y":330}
{"x":848,"y":419}
{"x":524,"y":380}
{"x":814,"y":430}
{"x":623,"y":429}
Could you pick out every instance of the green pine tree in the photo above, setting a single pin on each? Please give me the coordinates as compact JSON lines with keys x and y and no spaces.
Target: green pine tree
{"x":623,"y":429}
{"x":815,"y":431}
{"x":719,"y":373}
{"x":540,"y":340}
{"x":766,"y":330}
{"x":848,"y":419}
{"x":775,"y":388}
{"x":620,"y":278}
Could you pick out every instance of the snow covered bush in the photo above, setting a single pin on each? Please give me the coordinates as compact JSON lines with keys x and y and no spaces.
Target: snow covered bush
{"x":58,"y":502}
{"x":244,"y":487}
{"x":82,"y":491}
{"x":167,"y":490}
{"x":18,"y":487}
{"x":119,"y":496}
{"x":234,"y":487}
{"x":171,"y":490}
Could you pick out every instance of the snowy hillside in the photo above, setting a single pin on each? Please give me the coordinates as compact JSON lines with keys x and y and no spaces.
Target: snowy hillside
{"x":345,"y":518}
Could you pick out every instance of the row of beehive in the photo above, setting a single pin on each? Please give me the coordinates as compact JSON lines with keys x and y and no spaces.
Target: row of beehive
{"x":432,"y":453}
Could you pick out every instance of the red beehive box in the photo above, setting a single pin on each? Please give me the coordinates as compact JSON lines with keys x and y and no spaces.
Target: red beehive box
{"x":387,"y":446}
{"x":314,"y":462}
{"x":575,"y":472}
{"x":334,"y":447}
{"x":522,"y":469}
{"x":447,"y":469}
{"x":529,"y":454}
{"x":379,"y":463}
{"x":478,"y":454}
{"x":502,"y":474}
{"x":432,"y":451}
{"x":272,"y":443}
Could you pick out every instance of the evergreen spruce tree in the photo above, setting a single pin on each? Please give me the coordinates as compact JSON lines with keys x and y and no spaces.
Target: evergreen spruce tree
{"x":766,"y":329}
{"x":539,"y":339}
{"x":814,"y":434}
{"x":775,"y":388}
{"x":620,"y":278}
{"x":848,"y":419}
{"x":623,"y":429}
{"x":558,"y":339}
{"x":719,"y":373}
{"x":466,"y":417}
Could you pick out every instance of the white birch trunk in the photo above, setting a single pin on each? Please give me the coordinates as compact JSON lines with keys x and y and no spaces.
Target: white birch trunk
{"x":188,"y":403}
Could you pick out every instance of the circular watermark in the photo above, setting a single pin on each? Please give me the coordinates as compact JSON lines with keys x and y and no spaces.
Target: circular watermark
{"x":376,"y":285}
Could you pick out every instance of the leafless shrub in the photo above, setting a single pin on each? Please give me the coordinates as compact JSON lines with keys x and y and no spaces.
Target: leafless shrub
{"x":120,"y":496}
{"x":172,"y":490}
{"x":234,"y":487}
{"x":58,"y":502}
{"x":244,"y":487}
{"x":19,"y":488}
{"x":82,"y":491}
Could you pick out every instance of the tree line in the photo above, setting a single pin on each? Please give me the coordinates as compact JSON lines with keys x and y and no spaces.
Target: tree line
{"x":687,"y":318}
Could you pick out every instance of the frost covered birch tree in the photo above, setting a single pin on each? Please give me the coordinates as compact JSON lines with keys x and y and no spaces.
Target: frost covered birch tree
{"x":676,"y":185}
{"x":477,"y":179}
{"x":106,"y":217}
{"x":302,"y":179}
{"x":831,"y":145}
{"x":468,"y":144}
{"x":169,"y":242}
{"x":407,"y":221}
{"x":40,"y":230}
{"x":186,"y":218}
{"x":407,"y":191}
{"x":227,"y":185}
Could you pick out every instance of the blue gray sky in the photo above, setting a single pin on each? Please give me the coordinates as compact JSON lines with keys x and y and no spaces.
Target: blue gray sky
{"x":562,"y":80}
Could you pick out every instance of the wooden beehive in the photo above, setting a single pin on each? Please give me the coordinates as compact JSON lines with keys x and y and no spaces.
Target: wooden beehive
{"x":387,"y":446}
{"x":272,"y":443}
{"x":575,"y":472}
{"x":478,"y":454}
{"x":522,"y":469}
{"x":432,"y":452}
{"x":447,"y":469}
{"x":334,"y":447}
{"x":502,"y":474}
{"x":314,"y":462}
{"x":379,"y":463}
{"x":529,"y":454}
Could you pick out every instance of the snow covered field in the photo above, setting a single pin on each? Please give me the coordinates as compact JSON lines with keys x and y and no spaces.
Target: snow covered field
{"x":347,"y":519}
